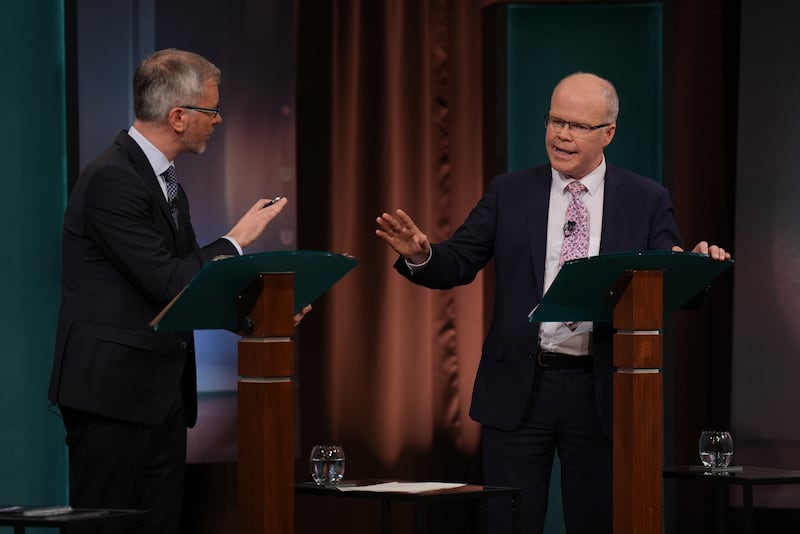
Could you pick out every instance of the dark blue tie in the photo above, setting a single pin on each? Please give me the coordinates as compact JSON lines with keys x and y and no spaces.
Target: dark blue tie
{"x":172,"y":191}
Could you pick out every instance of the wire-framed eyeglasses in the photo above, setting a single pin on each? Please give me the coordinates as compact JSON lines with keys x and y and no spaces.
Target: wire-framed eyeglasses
{"x":577,"y":129}
{"x":211,"y":112}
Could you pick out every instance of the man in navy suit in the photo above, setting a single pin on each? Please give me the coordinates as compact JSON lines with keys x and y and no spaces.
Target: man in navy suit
{"x":126,"y":392}
{"x":546,"y":388}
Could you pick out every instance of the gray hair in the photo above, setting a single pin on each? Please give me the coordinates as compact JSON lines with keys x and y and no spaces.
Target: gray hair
{"x":167,"y":79}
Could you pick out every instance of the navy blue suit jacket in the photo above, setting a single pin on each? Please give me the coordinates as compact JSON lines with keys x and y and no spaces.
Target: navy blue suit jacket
{"x":509,"y":225}
{"x":123,"y":260}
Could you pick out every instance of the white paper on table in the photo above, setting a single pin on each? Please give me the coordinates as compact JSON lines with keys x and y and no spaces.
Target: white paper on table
{"x":404,"y":487}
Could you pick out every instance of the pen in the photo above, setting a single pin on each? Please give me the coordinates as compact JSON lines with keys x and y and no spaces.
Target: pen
{"x":271,"y":202}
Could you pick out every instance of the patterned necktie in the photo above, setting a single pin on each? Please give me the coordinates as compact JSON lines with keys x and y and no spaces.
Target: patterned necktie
{"x":172,"y":191}
{"x":576,"y":225}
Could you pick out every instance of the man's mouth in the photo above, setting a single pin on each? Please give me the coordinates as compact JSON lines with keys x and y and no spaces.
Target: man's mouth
{"x":563,"y":152}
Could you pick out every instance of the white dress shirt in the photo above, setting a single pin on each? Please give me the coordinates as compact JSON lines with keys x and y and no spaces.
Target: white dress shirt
{"x":558,"y":337}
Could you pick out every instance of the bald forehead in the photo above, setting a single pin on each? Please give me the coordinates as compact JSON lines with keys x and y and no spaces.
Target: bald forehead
{"x":589,"y":87}
{"x":583,"y":83}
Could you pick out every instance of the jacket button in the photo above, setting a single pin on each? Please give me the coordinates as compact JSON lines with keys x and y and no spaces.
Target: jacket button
{"x":531,"y":356}
{"x":184,"y":345}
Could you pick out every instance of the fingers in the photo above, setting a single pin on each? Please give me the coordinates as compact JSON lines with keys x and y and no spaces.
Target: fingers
{"x":701,"y":248}
{"x":254,"y":222}
{"x":397,"y":225}
{"x":394,"y":225}
{"x":299,"y":316}
{"x":713,"y":251}
{"x":718,"y":253}
{"x":399,"y":232}
{"x":405,"y":220}
{"x":276,"y":203}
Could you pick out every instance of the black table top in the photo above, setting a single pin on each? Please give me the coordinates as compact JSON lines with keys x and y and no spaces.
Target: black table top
{"x":749,"y":475}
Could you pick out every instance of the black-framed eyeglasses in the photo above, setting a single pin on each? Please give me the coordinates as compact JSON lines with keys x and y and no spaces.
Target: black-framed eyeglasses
{"x":577,"y":128}
{"x":211,"y":112}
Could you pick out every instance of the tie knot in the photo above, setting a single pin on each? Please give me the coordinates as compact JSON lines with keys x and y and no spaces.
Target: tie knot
{"x":171,"y":181}
{"x":169,"y":175}
{"x":576,"y":188}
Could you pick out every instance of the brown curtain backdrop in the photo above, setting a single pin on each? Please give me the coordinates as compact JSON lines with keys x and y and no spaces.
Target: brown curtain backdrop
{"x":398,"y":360}
{"x":389,"y":115}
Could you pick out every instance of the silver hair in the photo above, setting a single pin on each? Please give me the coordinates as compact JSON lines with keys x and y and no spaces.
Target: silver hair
{"x":167,"y":79}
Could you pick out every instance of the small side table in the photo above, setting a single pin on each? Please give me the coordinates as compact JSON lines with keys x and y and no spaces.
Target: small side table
{"x":74,"y":517}
{"x":421,"y":501}
{"x":748,"y":477}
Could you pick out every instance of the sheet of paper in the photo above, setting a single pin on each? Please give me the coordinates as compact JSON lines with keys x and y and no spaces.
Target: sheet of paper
{"x":404,"y":487}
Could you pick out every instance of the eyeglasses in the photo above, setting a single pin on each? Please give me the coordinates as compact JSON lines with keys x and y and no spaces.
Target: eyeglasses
{"x":211,"y":112}
{"x":578,"y":129}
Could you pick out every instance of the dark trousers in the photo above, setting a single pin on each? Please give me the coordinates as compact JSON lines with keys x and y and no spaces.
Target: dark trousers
{"x":117,"y":464}
{"x":562,"y":417}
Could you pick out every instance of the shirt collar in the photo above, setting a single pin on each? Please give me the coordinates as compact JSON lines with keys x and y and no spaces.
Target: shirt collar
{"x":593,"y":181}
{"x":158,"y":161}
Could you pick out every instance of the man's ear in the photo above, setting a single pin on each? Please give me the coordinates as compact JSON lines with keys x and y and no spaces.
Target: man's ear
{"x":177,"y":119}
{"x":608,"y":134}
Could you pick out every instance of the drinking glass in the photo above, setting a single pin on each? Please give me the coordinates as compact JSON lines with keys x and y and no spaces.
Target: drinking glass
{"x":327,"y":464}
{"x":716,"y":448}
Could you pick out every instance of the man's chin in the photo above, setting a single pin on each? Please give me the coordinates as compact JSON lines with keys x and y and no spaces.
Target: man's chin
{"x":197,"y":148}
{"x":560,"y":167}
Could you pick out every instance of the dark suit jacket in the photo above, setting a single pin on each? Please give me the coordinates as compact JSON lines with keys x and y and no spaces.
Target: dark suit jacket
{"x":123,"y":260}
{"x":509,"y":224}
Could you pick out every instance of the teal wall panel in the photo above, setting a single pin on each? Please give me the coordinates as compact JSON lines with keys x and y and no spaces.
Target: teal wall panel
{"x":32,"y":200}
{"x":539,"y":44}
{"x":620,"y":42}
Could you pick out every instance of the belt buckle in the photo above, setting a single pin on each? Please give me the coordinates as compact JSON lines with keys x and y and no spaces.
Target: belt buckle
{"x":539,"y":360}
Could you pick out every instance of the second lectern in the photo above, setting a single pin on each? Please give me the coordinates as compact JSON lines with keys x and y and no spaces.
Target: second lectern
{"x":256,"y":295}
{"x":634,"y":292}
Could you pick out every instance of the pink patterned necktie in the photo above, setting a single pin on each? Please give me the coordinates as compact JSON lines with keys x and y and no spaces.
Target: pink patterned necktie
{"x":576,"y":225}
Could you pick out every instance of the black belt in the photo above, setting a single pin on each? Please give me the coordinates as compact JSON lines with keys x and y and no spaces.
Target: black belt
{"x":557,"y":360}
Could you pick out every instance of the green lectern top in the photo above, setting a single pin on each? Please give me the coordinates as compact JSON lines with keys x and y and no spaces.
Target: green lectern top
{"x":209,"y":301}
{"x":583,"y":289}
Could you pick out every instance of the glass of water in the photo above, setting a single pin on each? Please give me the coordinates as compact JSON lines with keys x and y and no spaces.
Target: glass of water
{"x":716,"y":448}
{"x":327,"y":464}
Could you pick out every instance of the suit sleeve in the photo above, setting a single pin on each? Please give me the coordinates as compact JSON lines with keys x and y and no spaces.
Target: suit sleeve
{"x":457,"y":260}
{"x":664,"y":229}
{"x":123,"y":219}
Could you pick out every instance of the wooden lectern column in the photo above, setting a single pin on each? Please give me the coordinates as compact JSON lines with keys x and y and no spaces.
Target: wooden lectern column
{"x":638,"y":404}
{"x":266,"y":407}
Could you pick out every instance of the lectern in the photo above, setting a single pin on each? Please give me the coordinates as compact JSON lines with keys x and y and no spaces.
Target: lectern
{"x":256,"y":295}
{"x":633,"y":291}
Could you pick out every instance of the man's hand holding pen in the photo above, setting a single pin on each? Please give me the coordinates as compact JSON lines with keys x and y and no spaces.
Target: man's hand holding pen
{"x":254,"y":222}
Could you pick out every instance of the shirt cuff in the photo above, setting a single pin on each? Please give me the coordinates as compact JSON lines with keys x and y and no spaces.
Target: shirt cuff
{"x":417,"y":267}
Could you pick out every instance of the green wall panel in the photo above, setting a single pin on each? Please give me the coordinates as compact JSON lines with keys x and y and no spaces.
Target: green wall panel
{"x":32,"y":199}
{"x":620,"y":42}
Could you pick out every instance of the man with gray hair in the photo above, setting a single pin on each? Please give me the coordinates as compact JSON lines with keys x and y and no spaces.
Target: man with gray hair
{"x":128,"y":393}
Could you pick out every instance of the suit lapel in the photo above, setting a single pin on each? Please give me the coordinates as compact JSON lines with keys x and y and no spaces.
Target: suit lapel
{"x":185,"y":235}
{"x":613,"y":211}
{"x":538,"y":205}
{"x":142,"y":167}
